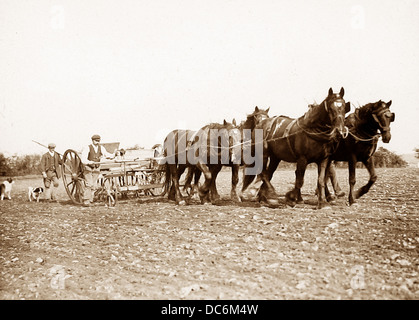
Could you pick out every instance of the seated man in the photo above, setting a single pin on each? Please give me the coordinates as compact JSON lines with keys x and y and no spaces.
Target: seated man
{"x":91,"y":156}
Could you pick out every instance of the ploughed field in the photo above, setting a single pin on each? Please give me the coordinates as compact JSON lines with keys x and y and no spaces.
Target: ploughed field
{"x":150,"y":248}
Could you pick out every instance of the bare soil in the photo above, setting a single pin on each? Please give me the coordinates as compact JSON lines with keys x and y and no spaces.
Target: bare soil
{"x":150,"y":248}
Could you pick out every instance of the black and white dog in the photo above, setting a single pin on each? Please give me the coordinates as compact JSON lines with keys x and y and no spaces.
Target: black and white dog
{"x":35,"y":193}
{"x":6,"y":189}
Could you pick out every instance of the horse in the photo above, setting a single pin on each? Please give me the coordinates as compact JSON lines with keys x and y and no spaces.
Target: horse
{"x":307,"y":139}
{"x":246,"y":127}
{"x":174,"y":158}
{"x":205,"y":149}
{"x":365,"y":125}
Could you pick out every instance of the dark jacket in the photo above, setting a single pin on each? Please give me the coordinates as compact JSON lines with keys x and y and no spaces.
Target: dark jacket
{"x":51,"y":163}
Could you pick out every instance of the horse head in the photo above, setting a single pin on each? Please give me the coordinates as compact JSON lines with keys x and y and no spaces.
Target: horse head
{"x":383,"y":117}
{"x":253,"y":119}
{"x":259,"y":114}
{"x":336,"y":108}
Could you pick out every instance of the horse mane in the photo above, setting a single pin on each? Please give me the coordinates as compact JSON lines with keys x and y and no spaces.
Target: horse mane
{"x":288,"y":117}
{"x":216,"y":125}
{"x":250,"y":121}
{"x":366,"y":109}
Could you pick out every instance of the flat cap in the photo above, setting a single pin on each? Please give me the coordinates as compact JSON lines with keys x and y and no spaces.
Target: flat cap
{"x":51,"y":145}
{"x":95,"y":136}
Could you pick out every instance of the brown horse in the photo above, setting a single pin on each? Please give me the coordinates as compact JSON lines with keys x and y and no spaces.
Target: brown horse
{"x":365,"y":126}
{"x":246,"y":128}
{"x":205,"y":149}
{"x":175,"y":148}
{"x":310,"y":138}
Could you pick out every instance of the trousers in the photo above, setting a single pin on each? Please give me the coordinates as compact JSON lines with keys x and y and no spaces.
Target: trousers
{"x":50,"y":192}
{"x":91,"y":176}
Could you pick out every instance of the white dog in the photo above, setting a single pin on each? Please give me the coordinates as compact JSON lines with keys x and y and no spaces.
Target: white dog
{"x":35,"y":193}
{"x":6,"y":189}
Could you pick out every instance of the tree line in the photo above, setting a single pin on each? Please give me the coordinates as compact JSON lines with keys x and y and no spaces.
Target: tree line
{"x":29,"y":164}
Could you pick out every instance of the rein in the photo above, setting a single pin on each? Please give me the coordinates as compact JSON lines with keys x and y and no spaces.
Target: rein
{"x":375,"y":137}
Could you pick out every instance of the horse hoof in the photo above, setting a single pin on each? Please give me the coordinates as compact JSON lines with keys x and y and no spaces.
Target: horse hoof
{"x":340,"y":194}
{"x":271,"y":202}
{"x":330,"y":198}
{"x":236,"y":198}
{"x":182,"y":203}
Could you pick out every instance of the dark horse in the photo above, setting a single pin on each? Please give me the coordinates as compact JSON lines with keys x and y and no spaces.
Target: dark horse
{"x":205,"y":149}
{"x":364,"y":125}
{"x":246,"y":128}
{"x":310,"y":138}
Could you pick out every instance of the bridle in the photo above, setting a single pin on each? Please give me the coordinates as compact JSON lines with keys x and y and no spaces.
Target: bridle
{"x":384,"y":113}
{"x":338,"y":103}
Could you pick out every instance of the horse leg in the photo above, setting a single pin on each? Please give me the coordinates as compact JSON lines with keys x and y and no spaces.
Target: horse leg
{"x":234,"y":181}
{"x":196,"y":181}
{"x":188,"y":181}
{"x":322,"y":168}
{"x":329,"y":176}
{"x":294,"y":196}
{"x":169,"y":183}
{"x":175,"y":185}
{"x":334,"y":180}
{"x":369,"y":164}
{"x":267,"y":191}
{"x":205,"y":188}
{"x":352,"y":179}
{"x":180,"y":170}
{"x":213,"y":187}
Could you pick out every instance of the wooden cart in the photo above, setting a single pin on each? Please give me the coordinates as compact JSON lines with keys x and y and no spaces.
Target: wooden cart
{"x":118,"y":179}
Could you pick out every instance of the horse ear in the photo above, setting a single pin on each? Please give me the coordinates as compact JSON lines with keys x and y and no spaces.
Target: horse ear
{"x":330,"y":91}
{"x":234,"y":122}
{"x":256,"y":109}
{"x":389,"y":103}
{"x":347,"y":107}
{"x":342,"y":92}
{"x":225,"y":122}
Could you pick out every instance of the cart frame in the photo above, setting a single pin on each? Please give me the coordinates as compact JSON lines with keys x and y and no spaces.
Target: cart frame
{"x":118,"y":179}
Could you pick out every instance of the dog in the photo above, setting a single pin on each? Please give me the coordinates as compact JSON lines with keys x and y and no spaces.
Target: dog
{"x":6,"y":189}
{"x":35,"y":193}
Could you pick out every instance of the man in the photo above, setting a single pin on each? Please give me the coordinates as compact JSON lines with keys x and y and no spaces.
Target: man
{"x":91,"y":157}
{"x":51,"y":172}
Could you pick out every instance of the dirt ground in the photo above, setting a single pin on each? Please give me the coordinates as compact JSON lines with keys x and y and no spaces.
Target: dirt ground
{"x":149,"y":248}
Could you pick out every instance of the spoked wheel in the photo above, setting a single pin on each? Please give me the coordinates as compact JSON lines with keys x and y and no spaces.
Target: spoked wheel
{"x":158,"y":178}
{"x":108,"y":191}
{"x":72,"y":172}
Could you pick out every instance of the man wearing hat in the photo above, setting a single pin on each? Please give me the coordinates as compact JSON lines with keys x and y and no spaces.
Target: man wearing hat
{"x":50,"y":168}
{"x":90,"y":158}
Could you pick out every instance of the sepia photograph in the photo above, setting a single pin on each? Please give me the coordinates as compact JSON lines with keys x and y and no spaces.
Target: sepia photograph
{"x":229,"y":151}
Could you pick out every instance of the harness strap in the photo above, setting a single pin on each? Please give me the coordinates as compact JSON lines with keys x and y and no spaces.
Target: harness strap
{"x":286,"y":135}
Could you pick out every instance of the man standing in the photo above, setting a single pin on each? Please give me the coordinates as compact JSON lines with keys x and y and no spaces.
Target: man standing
{"x":50,"y":168}
{"x":91,"y":157}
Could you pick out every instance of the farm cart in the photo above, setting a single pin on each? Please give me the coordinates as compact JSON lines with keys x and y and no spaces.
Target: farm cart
{"x":118,"y":179}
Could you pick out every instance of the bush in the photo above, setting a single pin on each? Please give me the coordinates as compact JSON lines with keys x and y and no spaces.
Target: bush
{"x":19,"y":165}
{"x":384,"y":158}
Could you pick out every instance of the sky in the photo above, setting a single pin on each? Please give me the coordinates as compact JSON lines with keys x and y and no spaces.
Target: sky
{"x":133,"y":70}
